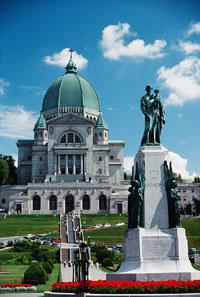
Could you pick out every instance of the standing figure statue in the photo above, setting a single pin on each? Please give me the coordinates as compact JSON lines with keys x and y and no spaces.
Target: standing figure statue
{"x":136,"y":200}
{"x":173,"y":197}
{"x":153,"y":111}
{"x":158,"y":117}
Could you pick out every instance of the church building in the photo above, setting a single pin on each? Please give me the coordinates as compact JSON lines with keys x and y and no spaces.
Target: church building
{"x":70,"y":164}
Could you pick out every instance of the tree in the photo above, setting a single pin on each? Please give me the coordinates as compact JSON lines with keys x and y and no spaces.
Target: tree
{"x":127,"y":176}
{"x":189,"y":209}
{"x":196,"y":180}
{"x":197,"y":205}
{"x":12,"y":178}
{"x":178,"y":177}
{"x":4,"y":171}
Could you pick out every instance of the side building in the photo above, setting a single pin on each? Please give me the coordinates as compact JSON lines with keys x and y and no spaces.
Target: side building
{"x":70,"y":164}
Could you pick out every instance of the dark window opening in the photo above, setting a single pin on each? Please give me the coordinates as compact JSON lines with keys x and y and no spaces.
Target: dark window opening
{"x":3,"y":201}
{"x":36,"y":202}
{"x":86,"y":202}
{"x":63,"y":139}
{"x":70,"y":137}
{"x":77,"y":139}
{"x":102,"y":202}
{"x":53,"y":202}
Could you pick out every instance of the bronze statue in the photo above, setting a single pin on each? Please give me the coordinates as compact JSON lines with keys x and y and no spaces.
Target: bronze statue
{"x":153,"y":111}
{"x":136,"y":200}
{"x":173,"y":197}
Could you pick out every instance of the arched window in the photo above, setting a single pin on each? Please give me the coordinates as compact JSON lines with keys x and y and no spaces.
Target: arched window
{"x":69,"y":203}
{"x":71,"y":138}
{"x":36,"y":202}
{"x":3,"y":201}
{"x":86,"y":202}
{"x":53,"y":202}
{"x":102,"y":202}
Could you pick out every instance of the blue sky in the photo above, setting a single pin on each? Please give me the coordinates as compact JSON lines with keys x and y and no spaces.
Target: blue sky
{"x":120,"y":47}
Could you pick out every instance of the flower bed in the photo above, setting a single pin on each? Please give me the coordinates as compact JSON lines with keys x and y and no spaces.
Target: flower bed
{"x":4,"y":271}
{"x":16,"y":287}
{"x":125,"y":287}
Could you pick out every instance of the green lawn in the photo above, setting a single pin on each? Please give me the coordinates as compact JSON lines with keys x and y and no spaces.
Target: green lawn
{"x":15,"y":225}
{"x":116,"y":234}
{"x":17,"y":274}
{"x":93,"y":219}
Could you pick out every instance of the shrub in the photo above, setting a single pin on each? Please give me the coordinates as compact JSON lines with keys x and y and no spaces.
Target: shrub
{"x":36,"y":273}
{"x":103,"y":253}
{"x":107,"y":262}
{"x":22,"y":246}
{"x":50,"y":261}
{"x":47,"y":267}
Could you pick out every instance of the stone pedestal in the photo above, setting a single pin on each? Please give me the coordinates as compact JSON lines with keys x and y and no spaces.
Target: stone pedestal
{"x":155,"y":252}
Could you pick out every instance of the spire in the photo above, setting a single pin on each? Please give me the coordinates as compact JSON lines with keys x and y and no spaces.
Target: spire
{"x":71,"y":66}
{"x":41,"y":123}
{"x":101,"y":124}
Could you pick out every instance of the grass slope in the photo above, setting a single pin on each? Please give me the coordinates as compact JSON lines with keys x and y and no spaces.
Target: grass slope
{"x":15,"y":225}
{"x":116,"y":234}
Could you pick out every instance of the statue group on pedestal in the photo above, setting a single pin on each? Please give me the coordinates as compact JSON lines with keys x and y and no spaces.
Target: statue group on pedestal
{"x":153,"y":111}
{"x":136,"y":200}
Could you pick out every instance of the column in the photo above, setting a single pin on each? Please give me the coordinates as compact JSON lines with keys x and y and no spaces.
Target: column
{"x":81,"y":164}
{"x":66,"y":164}
{"x":58,"y":164}
{"x":74,"y":167}
{"x":55,"y":163}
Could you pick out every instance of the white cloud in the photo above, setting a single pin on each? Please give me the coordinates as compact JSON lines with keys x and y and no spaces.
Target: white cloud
{"x":113,"y":39}
{"x":16,"y":122}
{"x":3,"y":85}
{"x":132,"y":107}
{"x":61,"y":59}
{"x":179,"y":165}
{"x":38,"y":91}
{"x":189,"y":47}
{"x":110,"y":108}
{"x":15,"y":157}
{"x":182,"y":81}
{"x":180,"y":115}
{"x":128,"y":163}
{"x":194,"y":28}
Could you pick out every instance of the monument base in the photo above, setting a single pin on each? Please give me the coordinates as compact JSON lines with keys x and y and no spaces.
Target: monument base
{"x":155,"y":254}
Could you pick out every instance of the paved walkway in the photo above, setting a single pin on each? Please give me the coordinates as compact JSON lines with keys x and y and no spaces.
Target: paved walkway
{"x":94,"y":274}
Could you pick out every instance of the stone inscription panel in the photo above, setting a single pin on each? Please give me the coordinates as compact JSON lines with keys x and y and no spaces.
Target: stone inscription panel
{"x":153,"y":248}
{"x":153,"y":179}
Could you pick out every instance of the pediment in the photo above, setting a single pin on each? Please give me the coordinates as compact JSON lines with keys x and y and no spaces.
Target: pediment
{"x":70,"y":118}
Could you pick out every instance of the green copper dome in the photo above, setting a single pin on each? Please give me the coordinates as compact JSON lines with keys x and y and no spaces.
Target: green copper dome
{"x":71,"y":90}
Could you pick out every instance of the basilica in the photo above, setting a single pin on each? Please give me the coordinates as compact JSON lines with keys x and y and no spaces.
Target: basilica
{"x":70,"y":164}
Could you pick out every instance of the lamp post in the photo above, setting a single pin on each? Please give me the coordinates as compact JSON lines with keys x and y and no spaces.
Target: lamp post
{"x":81,"y":264}
{"x":84,"y":263}
{"x":76,"y":266}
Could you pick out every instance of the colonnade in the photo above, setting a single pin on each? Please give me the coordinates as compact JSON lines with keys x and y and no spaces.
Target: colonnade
{"x":69,"y":164}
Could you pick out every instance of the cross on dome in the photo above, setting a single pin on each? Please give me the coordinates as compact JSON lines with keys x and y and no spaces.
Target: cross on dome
{"x":71,"y":51}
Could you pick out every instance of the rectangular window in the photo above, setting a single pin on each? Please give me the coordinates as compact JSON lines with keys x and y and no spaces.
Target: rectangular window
{"x":111,"y":157}
{"x":29,"y":158}
{"x":40,"y":158}
{"x":100,"y":158}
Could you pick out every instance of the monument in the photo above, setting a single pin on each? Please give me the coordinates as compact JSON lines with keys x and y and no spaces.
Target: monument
{"x":155,"y":245}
